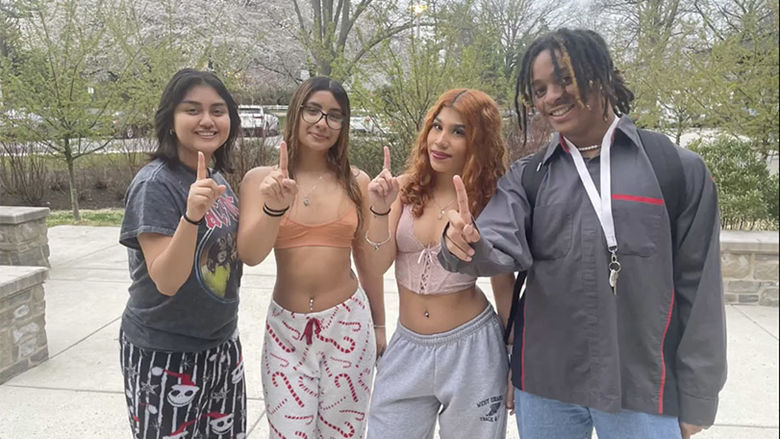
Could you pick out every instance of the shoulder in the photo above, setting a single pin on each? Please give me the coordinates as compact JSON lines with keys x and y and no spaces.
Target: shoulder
{"x":257,"y":174}
{"x":360,"y":176}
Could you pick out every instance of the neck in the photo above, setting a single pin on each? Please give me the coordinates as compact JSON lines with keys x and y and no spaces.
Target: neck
{"x":595,"y":135}
{"x":311,"y":161}
{"x":443,"y":189}
{"x":190,"y":158}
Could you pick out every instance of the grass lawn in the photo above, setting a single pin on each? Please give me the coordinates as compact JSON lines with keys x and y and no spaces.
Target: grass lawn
{"x":99,"y":217}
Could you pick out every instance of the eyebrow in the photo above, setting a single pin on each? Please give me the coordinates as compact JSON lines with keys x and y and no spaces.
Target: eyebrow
{"x":436,"y":119}
{"x":218,"y":104}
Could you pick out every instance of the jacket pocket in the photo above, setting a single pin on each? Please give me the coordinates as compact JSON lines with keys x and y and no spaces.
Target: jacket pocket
{"x":551,"y":237}
{"x":638,"y":227}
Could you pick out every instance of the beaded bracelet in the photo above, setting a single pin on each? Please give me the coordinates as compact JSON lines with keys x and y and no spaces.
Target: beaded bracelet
{"x":376,"y":245}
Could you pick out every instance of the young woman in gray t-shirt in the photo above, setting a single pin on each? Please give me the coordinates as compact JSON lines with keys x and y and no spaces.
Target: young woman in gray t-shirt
{"x":180,"y":353}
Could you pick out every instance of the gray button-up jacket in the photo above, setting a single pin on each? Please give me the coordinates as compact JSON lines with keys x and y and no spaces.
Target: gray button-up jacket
{"x":659,"y":345}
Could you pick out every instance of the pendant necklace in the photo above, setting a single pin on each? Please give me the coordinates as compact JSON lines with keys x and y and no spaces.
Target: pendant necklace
{"x":441,"y":209}
{"x":306,"y":199}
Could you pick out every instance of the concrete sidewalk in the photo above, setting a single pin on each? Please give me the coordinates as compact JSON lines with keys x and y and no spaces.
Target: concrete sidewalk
{"x":78,"y":392}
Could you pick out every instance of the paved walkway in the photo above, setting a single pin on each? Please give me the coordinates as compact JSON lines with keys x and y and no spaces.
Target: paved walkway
{"x":77,"y":393}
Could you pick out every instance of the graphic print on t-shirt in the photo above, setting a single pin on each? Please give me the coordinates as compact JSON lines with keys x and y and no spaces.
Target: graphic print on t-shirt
{"x":218,"y":264}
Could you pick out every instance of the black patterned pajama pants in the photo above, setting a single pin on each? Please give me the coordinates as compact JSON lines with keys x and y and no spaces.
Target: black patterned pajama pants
{"x":173,"y":395}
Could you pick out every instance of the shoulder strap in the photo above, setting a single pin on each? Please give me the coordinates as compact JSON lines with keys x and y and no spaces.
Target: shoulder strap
{"x":533,"y":173}
{"x":668,"y":170}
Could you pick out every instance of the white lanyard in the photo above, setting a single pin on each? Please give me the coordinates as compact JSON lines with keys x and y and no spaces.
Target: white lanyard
{"x":603,"y":205}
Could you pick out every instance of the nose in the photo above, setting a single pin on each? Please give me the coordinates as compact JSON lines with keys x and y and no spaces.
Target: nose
{"x":440,"y":139}
{"x":554,"y":92}
{"x":207,"y":119}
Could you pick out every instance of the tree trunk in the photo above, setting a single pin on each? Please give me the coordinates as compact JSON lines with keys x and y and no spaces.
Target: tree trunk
{"x":74,"y":194}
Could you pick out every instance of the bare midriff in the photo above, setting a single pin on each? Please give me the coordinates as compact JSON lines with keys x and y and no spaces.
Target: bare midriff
{"x":437,"y":313}
{"x":311,"y":279}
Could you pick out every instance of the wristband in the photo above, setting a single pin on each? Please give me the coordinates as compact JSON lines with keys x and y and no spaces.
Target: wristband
{"x":274,"y":212}
{"x":194,"y":223}
{"x":371,"y":208}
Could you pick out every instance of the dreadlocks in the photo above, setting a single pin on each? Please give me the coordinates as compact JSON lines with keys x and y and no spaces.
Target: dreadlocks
{"x":585,"y":56}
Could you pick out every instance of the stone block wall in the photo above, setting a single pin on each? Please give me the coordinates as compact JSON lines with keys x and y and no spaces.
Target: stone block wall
{"x":23,"y":238}
{"x":750,"y":267}
{"x":22,"y":319}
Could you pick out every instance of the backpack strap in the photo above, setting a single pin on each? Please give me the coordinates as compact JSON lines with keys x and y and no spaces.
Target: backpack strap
{"x":668,"y":170}
{"x":533,"y":173}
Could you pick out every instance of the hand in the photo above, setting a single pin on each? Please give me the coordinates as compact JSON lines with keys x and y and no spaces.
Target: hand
{"x":203,"y":192}
{"x":689,"y":430}
{"x":277,"y":188}
{"x":510,"y":394}
{"x":381,"y":341}
{"x":461,"y":233}
{"x":383,"y":189}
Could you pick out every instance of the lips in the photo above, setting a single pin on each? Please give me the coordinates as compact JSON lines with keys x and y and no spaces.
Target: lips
{"x":561,"y":111}
{"x":318,"y":136}
{"x":438,"y":155}
{"x":206,"y":134}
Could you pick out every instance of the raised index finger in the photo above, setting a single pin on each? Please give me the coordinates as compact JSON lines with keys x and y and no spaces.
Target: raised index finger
{"x":387,"y":158}
{"x":463,"y":199}
{"x":283,"y":159}
{"x":202,"y":171}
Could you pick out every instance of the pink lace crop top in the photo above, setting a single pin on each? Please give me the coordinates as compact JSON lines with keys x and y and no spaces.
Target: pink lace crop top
{"x":416,"y":266}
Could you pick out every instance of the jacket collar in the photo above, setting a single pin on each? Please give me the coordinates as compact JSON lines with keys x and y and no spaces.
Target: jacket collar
{"x":625,"y":125}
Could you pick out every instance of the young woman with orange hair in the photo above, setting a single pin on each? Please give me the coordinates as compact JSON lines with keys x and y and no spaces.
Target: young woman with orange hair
{"x":447,"y":357}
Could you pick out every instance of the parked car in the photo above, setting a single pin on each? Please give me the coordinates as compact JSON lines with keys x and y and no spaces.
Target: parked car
{"x":256,"y":122}
{"x":367,"y":125}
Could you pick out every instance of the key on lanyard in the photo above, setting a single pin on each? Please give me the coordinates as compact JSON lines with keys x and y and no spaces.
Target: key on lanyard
{"x":614,"y":271}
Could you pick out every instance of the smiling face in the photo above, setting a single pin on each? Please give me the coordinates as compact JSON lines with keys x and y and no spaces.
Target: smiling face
{"x":447,"y":145}
{"x":556,"y":98}
{"x":320,"y":135}
{"x":201,"y":123}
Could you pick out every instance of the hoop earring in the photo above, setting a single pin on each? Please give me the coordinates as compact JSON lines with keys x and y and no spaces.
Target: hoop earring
{"x":171,"y":132}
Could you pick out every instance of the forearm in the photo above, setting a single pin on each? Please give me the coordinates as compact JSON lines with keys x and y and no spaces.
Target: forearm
{"x":256,"y":237}
{"x":503,"y":286}
{"x":383,"y":250}
{"x":171,"y":269}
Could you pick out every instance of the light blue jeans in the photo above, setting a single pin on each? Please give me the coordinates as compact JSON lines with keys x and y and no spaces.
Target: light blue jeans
{"x":542,"y":418}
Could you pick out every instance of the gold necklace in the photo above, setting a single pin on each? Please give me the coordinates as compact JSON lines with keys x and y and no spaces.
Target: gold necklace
{"x":441,"y":209}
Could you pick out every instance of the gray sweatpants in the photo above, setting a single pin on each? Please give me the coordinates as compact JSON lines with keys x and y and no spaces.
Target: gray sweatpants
{"x":459,"y":375}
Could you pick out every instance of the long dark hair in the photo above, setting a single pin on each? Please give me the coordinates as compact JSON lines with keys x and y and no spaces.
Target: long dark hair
{"x":584,"y":53}
{"x":338,"y":160}
{"x":174,"y":93}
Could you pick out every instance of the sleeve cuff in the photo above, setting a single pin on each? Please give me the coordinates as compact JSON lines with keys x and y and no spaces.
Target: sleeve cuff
{"x":698,"y":411}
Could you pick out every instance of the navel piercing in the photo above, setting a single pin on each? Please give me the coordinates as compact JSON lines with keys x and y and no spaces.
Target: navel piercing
{"x":311,"y":304}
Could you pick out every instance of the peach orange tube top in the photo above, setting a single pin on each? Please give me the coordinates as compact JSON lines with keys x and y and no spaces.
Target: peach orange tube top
{"x":338,"y":233}
{"x":416,"y":266}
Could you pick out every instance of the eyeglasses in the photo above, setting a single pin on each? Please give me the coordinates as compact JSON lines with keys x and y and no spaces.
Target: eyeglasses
{"x":312,"y":115}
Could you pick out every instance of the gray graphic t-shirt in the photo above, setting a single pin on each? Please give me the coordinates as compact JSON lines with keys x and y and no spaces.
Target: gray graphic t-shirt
{"x":203,"y":313}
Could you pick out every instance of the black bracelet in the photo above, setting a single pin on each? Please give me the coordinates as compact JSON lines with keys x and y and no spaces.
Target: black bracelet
{"x":371,"y":208}
{"x":274,"y":212}
{"x":194,"y":223}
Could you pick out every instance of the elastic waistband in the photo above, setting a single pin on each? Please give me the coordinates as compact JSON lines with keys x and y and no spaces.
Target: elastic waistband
{"x":277,"y":309}
{"x":486,"y":317}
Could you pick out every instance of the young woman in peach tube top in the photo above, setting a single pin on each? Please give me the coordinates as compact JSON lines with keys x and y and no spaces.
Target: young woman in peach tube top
{"x":447,"y":360}
{"x":320,"y":345}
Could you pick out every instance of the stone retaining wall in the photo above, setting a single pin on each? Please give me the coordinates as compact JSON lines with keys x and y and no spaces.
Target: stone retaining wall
{"x":750,"y":267}
{"x":23,"y":239}
{"x":22,"y":320}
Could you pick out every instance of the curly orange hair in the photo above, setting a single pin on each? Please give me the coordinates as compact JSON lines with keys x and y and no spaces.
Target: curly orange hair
{"x":487,"y":156}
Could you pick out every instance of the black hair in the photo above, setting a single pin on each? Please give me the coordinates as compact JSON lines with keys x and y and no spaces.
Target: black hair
{"x":585,"y":55}
{"x":174,"y":93}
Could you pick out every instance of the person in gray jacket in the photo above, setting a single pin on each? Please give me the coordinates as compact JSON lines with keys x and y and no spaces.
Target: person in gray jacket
{"x":623,"y":327}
